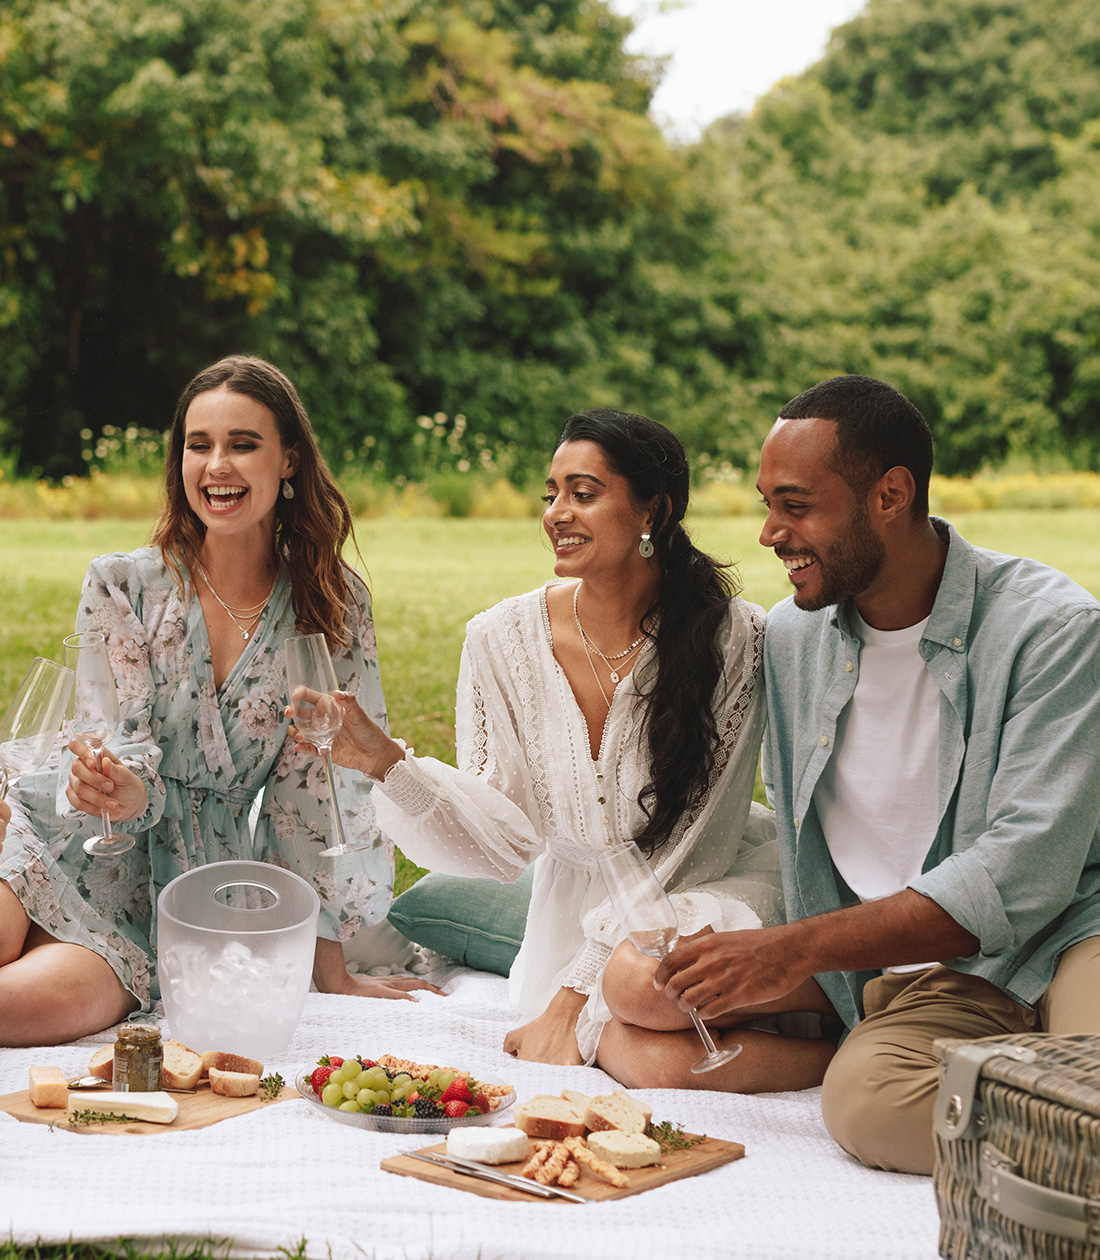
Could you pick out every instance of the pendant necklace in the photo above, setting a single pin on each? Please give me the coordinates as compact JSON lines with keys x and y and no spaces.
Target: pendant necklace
{"x":587,"y":643}
{"x":250,"y":615}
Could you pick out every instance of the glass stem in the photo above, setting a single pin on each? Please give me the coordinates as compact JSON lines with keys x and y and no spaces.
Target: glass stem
{"x":326,"y":761}
{"x":5,"y":783}
{"x":105,"y":817}
{"x":703,"y":1031}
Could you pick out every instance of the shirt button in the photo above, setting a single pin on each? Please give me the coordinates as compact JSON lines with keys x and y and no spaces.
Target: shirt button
{"x":796,"y":824}
{"x":599,"y":776}
{"x":957,"y":642}
{"x":602,"y":800}
{"x":824,"y":741}
{"x":606,"y":822}
{"x":849,"y":666}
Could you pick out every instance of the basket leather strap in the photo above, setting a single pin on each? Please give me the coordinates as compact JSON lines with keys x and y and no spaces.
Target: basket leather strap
{"x":1036,"y":1207}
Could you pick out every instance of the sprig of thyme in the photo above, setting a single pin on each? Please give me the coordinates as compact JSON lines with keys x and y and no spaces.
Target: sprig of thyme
{"x":271,"y":1085}
{"x":91,"y":1116}
{"x":671,"y":1137}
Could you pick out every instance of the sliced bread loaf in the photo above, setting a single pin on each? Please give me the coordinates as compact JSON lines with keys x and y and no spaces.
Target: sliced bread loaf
{"x":544,"y":1116}
{"x":610,"y":1111}
{"x":624,"y":1150}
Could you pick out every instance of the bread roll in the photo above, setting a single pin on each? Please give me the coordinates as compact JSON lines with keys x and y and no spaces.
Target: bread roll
{"x":234,"y":1084}
{"x":182,"y":1067}
{"x":544,"y":1116}
{"x":102,"y":1063}
{"x":225,"y":1061}
{"x":609,"y":1111}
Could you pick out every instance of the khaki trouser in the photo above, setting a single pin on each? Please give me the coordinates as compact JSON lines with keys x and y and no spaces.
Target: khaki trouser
{"x":879,"y":1089}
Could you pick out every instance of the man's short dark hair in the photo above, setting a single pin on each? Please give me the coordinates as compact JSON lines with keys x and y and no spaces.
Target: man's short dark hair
{"x":877,"y":428}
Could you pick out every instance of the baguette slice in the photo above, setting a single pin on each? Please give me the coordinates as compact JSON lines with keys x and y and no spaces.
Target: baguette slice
{"x":624,"y":1150}
{"x":234,"y":1084}
{"x":224,"y":1061}
{"x":643,"y":1107}
{"x":48,"y":1087}
{"x":182,"y":1066}
{"x":608,"y":1112}
{"x":102,"y":1063}
{"x":544,"y":1116}
{"x":579,"y":1100}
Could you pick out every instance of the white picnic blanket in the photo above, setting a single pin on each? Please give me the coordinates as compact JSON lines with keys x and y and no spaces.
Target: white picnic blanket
{"x":283,"y":1174}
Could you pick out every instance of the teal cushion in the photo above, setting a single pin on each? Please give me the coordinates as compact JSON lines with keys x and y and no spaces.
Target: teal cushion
{"x":478,"y":921}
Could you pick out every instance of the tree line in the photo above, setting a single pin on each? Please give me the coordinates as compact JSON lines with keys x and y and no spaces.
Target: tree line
{"x":460,"y":210}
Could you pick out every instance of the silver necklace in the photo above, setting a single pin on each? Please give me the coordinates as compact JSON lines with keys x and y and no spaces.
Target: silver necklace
{"x":249,"y":621}
{"x":634,"y":647}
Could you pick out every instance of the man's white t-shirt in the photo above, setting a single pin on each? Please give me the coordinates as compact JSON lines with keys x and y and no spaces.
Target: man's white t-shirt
{"x":878,"y":798}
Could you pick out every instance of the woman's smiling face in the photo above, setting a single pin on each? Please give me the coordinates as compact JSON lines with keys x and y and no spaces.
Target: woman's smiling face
{"x":233,"y":462}
{"x":591,"y":517}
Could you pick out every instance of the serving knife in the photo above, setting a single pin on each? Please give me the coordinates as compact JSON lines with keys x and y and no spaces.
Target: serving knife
{"x":473,"y":1169}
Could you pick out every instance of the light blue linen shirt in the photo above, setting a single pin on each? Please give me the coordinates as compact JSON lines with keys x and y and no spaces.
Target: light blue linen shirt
{"x":1014,"y":647}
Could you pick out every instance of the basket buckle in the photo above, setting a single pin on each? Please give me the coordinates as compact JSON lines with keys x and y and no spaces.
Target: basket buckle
{"x":957,"y":1113}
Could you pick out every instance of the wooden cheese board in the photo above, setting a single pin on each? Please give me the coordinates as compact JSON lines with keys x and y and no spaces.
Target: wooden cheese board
{"x":196,"y":1111}
{"x":709,"y":1153}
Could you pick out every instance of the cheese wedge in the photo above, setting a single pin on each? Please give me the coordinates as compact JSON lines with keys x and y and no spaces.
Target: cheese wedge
{"x":48,"y":1087}
{"x":152,"y":1105}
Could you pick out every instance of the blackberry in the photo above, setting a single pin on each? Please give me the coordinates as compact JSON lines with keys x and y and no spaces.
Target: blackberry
{"x":425,"y":1109}
{"x":381,"y":1109}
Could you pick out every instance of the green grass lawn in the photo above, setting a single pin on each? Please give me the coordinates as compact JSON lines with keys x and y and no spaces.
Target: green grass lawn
{"x":429,"y":577}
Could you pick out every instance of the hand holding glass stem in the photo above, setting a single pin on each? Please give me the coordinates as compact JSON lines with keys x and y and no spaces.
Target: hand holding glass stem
{"x":649,"y":918}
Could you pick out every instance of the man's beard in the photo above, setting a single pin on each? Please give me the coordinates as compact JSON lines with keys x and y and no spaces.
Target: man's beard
{"x":849,"y":566}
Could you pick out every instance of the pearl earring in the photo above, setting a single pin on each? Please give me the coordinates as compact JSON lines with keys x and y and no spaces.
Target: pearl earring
{"x":645,"y":547}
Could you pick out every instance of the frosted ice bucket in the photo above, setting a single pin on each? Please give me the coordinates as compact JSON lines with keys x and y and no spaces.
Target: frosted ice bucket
{"x":235,"y":943}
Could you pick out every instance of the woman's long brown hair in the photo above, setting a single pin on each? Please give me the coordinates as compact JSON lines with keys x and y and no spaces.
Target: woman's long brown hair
{"x":311,"y":529}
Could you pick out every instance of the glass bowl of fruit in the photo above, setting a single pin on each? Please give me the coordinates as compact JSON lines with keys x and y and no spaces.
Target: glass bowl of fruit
{"x":388,"y":1098}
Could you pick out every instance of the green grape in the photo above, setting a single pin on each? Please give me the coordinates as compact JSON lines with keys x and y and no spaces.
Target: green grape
{"x":402,"y":1078}
{"x":348,"y":1071}
{"x":363,"y":1080}
{"x":349,"y":1089}
{"x":382,"y":1095}
{"x":332,"y":1093}
{"x":445,"y":1078}
{"x":349,"y":1105}
{"x":366,"y":1099}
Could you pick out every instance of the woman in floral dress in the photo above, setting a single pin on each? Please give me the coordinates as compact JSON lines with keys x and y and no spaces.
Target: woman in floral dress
{"x":246,"y":553}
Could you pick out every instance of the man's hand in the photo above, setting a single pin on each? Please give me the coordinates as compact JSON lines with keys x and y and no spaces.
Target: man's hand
{"x":117,"y":791}
{"x":732,"y":970}
{"x":721,"y":972}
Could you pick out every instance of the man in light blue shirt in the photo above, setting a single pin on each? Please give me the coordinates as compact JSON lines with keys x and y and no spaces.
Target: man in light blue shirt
{"x":933,"y":757}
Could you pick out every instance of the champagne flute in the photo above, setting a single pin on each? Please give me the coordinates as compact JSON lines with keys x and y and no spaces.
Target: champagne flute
{"x":29,"y":727}
{"x":317,"y":714}
{"x":650,"y":921}
{"x":94,"y":719}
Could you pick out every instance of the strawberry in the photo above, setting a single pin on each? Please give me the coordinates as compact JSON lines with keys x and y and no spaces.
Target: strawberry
{"x":457,"y":1090}
{"x":480,"y":1103}
{"x":455,"y":1107}
{"x":320,"y":1076}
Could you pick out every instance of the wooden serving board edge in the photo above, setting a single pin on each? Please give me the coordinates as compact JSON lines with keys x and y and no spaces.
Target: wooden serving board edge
{"x":196,"y":1111}
{"x":709,"y":1154}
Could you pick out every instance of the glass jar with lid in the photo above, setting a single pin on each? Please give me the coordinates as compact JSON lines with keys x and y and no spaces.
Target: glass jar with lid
{"x":139,"y":1058}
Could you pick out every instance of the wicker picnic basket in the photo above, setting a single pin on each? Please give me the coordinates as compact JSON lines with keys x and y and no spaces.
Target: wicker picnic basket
{"x":1017,"y":1124}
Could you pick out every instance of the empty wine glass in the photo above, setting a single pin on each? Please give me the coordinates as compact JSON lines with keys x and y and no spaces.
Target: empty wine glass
{"x":29,"y":727}
{"x":650,"y":921}
{"x":317,"y":714}
{"x":94,"y":719}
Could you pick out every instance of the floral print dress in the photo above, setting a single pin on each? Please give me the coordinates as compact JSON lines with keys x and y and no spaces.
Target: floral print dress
{"x":205,"y":756}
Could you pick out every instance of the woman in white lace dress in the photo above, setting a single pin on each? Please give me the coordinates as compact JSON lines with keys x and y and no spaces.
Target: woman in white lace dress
{"x":247,"y":552}
{"x":624,"y":704}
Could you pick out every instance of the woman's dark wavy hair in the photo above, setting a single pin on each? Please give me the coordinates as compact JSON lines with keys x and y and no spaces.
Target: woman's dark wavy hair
{"x":685,"y":621}
{"x":311,"y":529}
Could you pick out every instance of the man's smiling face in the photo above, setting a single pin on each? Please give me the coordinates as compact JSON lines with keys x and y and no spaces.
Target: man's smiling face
{"x":817,"y":526}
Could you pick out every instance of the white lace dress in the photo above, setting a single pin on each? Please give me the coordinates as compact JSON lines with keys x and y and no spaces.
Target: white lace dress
{"x":528,"y":790}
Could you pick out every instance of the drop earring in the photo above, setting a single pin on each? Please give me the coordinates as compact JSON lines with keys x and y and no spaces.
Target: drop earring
{"x":645,"y":547}
{"x":288,"y":489}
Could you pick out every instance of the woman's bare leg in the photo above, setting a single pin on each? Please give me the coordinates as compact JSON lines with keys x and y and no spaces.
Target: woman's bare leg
{"x":52,"y":991}
{"x":651,"y":1044}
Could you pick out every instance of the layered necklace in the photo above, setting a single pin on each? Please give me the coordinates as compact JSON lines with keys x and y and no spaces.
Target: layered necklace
{"x":590,"y":647}
{"x":243,"y":618}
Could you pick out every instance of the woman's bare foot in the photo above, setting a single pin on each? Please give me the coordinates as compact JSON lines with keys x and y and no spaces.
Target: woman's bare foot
{"x":552,"y":1036}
